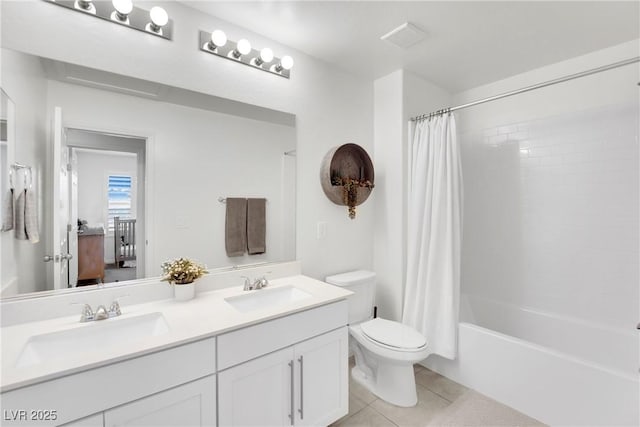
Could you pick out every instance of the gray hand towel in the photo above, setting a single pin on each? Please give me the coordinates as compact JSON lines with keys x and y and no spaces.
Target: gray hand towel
{"x":31,"y":217}
{"x":256,"y":226}
{"x":235,"y":241}
{"x":7,"y":213}
{"x":20,"y":231}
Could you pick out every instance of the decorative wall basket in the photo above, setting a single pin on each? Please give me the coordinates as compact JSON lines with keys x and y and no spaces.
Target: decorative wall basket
{"x":347,"y":176}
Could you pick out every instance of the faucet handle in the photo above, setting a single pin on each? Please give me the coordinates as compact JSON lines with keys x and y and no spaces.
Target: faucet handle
{"x":87,"y":313}
{"x":262,"y":282}
{"x":114,"y":308}
{"x":248,"y":286}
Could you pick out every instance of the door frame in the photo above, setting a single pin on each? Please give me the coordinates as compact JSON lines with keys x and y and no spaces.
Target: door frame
{"x":145,"y":172}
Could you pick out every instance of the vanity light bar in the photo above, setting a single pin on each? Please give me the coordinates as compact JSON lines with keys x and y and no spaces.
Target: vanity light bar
{"x":242,"y":52}
{"x":155,"y":22}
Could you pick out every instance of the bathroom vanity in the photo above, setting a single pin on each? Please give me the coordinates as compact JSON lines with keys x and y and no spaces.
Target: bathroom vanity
{"x":276,"y":356}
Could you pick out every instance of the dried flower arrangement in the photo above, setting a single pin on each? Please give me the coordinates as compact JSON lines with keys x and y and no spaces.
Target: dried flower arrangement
{"x":350,"y":191}
{"x":182,"y":271}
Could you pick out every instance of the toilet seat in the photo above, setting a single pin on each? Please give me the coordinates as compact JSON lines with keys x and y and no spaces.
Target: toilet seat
{"x":393,"y":335}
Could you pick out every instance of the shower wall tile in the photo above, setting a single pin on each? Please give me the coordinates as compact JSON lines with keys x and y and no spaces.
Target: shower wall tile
{"x":551,"y":213}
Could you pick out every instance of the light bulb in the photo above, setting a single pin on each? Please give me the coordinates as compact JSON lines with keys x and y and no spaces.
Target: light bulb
{"x":122,"y":10}
{"x":123,"y":7}
{"x":286,"y":62}
{"x":85,"y":6}
{"x":218,"y":38}
{"x":159,"y":16}
{"x":244,"y":47}
{"x":266,"y":55}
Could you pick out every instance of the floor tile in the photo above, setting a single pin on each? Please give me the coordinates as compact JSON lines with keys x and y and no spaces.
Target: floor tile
{"x":440,"y":385}
{"x":360,"y":391}
{"x":429,"y":405}
{"x":366,"y":417}
{"x":355,"y":406}
{"x":475,"y":409}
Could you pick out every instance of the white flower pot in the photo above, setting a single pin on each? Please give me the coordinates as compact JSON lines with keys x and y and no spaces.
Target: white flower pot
{"x":184,"y":292}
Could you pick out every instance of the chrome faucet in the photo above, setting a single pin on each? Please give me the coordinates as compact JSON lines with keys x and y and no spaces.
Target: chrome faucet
{"x":256,"y":285}
{"x":101,"y":312}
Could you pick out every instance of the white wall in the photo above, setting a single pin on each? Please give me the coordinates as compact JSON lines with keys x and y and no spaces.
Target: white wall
{"x":94,"y":168}
{"x":398,"y":97}
{"x":23,"y":80}
{"x":331,"y":107}
{"x":551,"y":191}
{"x":195,"y":157}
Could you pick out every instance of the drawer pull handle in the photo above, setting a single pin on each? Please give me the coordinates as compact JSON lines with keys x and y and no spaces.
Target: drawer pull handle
{"x":301,"y":410}
{"x":292,"y":403}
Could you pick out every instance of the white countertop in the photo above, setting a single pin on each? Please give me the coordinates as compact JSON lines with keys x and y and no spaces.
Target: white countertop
{"x":207,"y":315}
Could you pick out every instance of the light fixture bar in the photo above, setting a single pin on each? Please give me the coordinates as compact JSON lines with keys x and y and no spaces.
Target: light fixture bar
{"x":138,"y":19}
{"x":249,"y":59}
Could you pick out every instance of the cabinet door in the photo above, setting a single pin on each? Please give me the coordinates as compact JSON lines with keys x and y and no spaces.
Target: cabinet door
{"x":321,"y":380}
{"x":96,"y":420}
{"x":191,"y":404}
{"x":258,"y":392}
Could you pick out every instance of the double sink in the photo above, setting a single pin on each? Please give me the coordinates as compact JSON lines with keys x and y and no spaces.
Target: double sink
{"x":102,"y":334}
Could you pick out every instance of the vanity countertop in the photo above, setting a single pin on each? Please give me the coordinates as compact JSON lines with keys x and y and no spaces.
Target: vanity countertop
{"x":207,"y":315}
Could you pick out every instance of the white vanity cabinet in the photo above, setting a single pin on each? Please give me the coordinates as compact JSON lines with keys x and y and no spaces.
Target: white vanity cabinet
{"x":305,"y":383}
{"x":277,"y":370}
{"x":322,"y":378}
{"x":96,"y":420}
{"x":188,"y":405}
{"x":164,"y":385}
{"x":257,"y":393}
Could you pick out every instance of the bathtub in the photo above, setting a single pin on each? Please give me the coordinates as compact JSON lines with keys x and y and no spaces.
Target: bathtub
{"x":559,"y":370}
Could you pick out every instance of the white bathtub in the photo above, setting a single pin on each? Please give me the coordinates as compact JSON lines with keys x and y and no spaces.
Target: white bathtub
{"x":559,"y":370}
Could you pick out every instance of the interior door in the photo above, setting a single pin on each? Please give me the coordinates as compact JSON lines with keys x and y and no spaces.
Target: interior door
{"x":60,"y":205}
{"x":73,"y":217}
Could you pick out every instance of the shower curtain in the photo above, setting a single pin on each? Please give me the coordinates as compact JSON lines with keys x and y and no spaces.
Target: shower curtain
{"x":434,"y":230}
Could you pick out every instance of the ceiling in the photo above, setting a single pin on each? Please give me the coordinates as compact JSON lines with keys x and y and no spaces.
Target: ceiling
{"x":468,"y":43}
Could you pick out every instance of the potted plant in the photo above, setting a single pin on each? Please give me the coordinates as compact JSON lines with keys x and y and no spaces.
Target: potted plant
{"x":182,"y":272}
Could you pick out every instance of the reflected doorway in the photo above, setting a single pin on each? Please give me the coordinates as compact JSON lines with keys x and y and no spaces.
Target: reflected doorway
{"x":107,"y":231}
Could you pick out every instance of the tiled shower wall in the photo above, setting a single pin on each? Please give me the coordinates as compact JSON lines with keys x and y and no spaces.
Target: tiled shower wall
{"x":551,"y":213}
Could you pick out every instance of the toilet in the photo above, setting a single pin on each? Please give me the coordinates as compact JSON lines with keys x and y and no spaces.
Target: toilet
{"x":385,"y":351}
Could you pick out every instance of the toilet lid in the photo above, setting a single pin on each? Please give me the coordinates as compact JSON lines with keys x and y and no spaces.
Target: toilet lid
{"x":393,"y":334}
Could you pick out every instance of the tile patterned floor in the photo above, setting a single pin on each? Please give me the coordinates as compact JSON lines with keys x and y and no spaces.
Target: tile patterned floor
{"x":441,"y":402}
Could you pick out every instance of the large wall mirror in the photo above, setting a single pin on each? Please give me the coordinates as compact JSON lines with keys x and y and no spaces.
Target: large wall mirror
{"x":128,"y":173}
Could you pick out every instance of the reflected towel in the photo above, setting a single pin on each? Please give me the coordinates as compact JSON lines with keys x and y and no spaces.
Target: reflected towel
{"x":31,"y":216}
{"x":235,"y":241}
{"x":256,"y":226}
{"x":20,"y":231}
{"x":7,"y":213}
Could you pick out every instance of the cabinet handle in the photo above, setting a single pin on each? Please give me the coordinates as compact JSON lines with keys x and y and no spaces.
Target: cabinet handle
{"x":301,"y":410}
{"x":292,"y":403}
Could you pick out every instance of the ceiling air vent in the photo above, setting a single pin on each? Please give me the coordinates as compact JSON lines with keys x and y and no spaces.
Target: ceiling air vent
{"x":405,"y":35}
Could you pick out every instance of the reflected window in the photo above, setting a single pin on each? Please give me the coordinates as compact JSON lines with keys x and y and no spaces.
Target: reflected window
{"x":119,"y":198}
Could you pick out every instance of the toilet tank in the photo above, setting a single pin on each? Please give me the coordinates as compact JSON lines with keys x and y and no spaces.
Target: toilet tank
{"x":363,"y":285}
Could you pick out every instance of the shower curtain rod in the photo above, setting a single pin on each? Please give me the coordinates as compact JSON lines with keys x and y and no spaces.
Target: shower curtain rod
{"x":530,"y":88}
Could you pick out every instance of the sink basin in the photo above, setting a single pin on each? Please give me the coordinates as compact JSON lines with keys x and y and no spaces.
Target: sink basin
{"x":90,"y":337}
{"x":266,"y":298}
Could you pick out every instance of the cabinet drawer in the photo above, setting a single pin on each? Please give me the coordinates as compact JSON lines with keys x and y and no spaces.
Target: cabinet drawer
{"x":192,"y":404}
{"x":248,"y":343}
{"x":85,"y":393}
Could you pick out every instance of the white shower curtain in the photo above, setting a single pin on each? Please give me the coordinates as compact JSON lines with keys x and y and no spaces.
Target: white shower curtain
{"x":434,"y":231}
